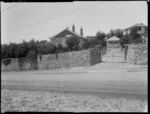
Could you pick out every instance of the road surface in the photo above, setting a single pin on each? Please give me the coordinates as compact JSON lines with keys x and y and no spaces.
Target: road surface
{"x":111,"y":81}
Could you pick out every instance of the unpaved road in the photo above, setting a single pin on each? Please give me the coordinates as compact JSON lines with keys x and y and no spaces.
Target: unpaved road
{"x":113,"y":81}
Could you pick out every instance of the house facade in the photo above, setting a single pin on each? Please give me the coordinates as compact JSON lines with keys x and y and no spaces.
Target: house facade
{"x":142,"y":29}
{"x":65,"y":34}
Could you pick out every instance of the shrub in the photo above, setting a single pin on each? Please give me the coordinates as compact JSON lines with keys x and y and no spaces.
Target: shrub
{"x":86,"y":44}
{"x":31,"y":54}
{"x":73,"y":43}
{"x":7,"y":61}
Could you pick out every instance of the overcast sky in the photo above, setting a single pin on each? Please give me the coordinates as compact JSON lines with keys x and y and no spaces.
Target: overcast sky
{"x":42,"y":20}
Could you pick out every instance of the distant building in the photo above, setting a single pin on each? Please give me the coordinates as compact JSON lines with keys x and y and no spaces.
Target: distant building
{"x":65,"y":34}
{"x":113,"y":42}
{"x":141,"y":29}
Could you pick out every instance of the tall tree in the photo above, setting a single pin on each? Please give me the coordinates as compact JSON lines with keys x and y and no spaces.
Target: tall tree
{"x":118,"y":33}
{"x":100,"y":35}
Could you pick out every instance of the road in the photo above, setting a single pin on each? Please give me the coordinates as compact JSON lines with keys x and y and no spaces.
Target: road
{"x":111,"y":81}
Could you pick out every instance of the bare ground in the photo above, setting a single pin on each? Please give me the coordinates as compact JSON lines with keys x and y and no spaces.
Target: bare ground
{"x":20,"y":100}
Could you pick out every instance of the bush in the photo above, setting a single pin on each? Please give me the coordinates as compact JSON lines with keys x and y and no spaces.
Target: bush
{"x":73,"y":43}
{"x":31,"y":54}
{"x":60,"y":48}
{"x":86,"y":44}
{"x":7,"y":61}
{"x":94,"y":42}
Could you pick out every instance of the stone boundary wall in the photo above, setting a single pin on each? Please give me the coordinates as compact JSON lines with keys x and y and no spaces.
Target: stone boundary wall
{"x":64,"y":60}
{"x":13,"y":66}
{"x":95,"y":55}
{"x":52,"y":61}
{"x":137,"y":54}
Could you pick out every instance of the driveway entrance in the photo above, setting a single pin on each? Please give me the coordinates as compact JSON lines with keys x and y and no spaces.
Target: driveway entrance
{"x":113,"y":55}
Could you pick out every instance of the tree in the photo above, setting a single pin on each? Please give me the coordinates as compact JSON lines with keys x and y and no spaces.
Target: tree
{"x":94,"y":42}
{"x":111,"y":33}
{"x":60,"y":48}
{"x":103,"y":44}
{"x":135,"y":37}
{"x":118,"y":33}
{"x":4,"y":49}
{"x":73,"y":43}
{"x":126,"y":39}
{"x":31,"y":54}
{"x":100,"y":35}
{"x":51,"y":48}
{"x":33,"y":45}
{"x":86,"y":44}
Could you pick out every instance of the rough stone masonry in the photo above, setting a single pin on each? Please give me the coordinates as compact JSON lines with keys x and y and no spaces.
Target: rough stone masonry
{"x":52,"y":61}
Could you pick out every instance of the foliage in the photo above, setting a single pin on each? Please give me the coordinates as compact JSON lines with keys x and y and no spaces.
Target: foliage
{"x":7,"y":61}
{"x":126,"y":39}
{"x":25,"y":48}
{"x":31,"y":54}
{"x":100,"y":35}
{"x":94,"y":42}
{"x":117,"y":32}
{"x":60,"y":48}
{"x":73,"y":43}
{"x":86,"y":44}
{"x":135,"y":37}
{"x":103,"y":44}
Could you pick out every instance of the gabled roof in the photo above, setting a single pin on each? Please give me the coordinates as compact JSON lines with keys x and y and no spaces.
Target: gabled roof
{"x":67,"y":29}
{"x":77,"y":34}
{"x":114,"y":38}
{"x":136,"y":25}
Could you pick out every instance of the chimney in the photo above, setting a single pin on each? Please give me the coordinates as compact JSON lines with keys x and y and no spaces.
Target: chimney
{"x":73,"y":28}
{"x":81,"y":31}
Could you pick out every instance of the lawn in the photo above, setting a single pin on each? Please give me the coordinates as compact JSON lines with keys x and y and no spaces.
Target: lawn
{"x":20,"y":100}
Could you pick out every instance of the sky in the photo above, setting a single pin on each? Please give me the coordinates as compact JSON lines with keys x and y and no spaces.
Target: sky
{"x":24,"y":21}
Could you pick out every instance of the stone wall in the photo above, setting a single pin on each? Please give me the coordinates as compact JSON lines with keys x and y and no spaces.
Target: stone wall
{"x":13,"y":66}
{"x":21,"y":64}
{"x":137,"y":54}
{"x":95,"y":55}
{"x":53,"y":61}
{"x":62,"y":60}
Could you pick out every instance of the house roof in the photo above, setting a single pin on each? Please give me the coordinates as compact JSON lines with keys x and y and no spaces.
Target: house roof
{"x":114,"y":38}
{"x":67,"y":29}
{"x":136,"y":25}
{"x":75,"y":33}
